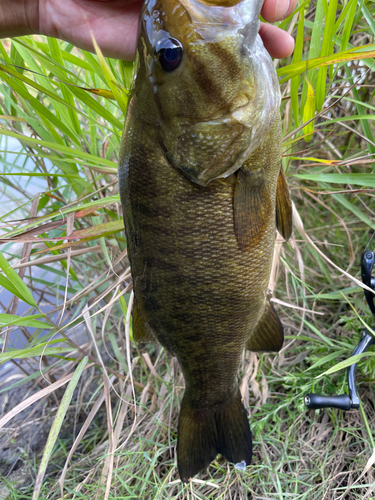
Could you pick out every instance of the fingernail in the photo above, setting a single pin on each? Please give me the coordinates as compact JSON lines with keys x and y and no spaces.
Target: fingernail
{"x":282,"y":7}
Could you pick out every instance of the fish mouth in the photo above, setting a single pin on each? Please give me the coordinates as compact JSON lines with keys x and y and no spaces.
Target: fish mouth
{"x":226,"y":14}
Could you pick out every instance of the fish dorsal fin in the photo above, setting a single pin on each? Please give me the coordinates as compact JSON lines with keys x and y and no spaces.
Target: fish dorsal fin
{"x":284,"y":217}
{"x":142,"y":332}
{"x":252,"y":207}
{"x":268,"y":335}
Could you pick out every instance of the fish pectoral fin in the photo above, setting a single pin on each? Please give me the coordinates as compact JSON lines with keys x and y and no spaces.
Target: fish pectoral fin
{"x":142,"y":332}
{"x":205,"y":432}
{"x":284,"y":209}
{"x":252,"y":207}
{"x":268,"y":335}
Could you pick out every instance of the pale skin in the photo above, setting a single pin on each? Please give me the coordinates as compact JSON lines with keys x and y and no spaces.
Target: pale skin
{"x":114,"y":23}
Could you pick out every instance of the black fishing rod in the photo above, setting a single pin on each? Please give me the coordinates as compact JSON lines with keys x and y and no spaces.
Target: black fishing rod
{"x":351,"y":401}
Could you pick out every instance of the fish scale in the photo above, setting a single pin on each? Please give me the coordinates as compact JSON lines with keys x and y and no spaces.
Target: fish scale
{"x":200,"y":240}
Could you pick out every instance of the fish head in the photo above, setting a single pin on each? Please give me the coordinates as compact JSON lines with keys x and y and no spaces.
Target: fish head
{"x":211,"y":87}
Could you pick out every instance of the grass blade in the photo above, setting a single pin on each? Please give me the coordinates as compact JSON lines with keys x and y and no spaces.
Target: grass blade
{"x":14,"y":284}
{"x":28,"y":321}
{"x":358,"y":179}
{"x":347,"y":362}
{"x":309,"y":112}
{"x":117,"y":90}
{"x":348,"y":25}
{"x":297,"y":58}
{"x":56,"y":426}
{"x":327,"y":47}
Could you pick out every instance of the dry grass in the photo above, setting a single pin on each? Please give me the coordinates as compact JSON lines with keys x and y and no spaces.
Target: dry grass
{"x":118,"y":432}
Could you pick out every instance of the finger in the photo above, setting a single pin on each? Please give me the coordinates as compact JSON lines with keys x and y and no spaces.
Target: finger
{"x":278,"y":42}
{"x":275,"y":10}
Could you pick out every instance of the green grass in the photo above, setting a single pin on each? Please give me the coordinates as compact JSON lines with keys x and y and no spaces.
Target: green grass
{"x":69,"y":313}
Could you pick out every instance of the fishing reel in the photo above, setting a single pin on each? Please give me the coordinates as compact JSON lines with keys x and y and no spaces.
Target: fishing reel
{"x":344,"y":401}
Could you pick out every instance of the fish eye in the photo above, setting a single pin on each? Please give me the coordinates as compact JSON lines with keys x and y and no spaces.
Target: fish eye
{"x":169,"y":53}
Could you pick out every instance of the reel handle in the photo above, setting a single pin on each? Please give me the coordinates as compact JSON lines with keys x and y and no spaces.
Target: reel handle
{"x":316,"y":401}
{"x":343,"y":401}
{"x":367,"y":265}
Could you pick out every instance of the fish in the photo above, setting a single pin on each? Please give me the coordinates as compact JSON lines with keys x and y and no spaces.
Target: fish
{"x":202,"y":191}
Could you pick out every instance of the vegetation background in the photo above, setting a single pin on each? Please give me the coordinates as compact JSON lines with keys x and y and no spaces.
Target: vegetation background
{"x":86,"y":413}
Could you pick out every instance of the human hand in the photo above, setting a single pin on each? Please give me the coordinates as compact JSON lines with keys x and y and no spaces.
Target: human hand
{"x":278,"y":42}
{"x":114,"y":25}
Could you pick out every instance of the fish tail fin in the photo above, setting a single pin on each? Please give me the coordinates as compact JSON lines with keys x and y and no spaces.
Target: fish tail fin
{"x":205,"y":432}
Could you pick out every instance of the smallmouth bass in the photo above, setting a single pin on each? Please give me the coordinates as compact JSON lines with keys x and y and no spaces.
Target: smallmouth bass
{"x":202,"y":191}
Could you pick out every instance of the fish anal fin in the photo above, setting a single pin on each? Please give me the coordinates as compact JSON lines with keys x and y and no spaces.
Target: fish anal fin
{"x":284,"y":209}
{"x":142,"y":332}
{"x":268,"y":335}
{"x":252,"y":207}
{"x":205,"y":432}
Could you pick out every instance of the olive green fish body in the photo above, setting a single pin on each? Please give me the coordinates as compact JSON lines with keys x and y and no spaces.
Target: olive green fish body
{"x":199,"y":189}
